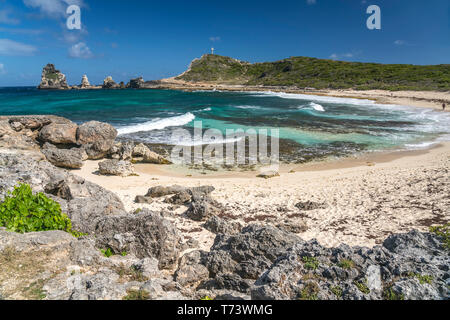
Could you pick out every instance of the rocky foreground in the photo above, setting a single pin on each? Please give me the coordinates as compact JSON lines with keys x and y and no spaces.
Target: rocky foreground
{"x":143,"y":255}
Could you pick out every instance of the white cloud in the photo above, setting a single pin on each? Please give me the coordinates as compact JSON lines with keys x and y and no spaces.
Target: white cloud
{"x":6,"y":19}
{"x":52,"y":8}
{"x":2,"y":69}
{"x":399,"y":42}
{"x":311,"y":2}
{"x":336,"y":56}
{"x":81,"y":51}
{"x":13,"y":48}
{"x":214,"y":39}
{"x":28,"y":32}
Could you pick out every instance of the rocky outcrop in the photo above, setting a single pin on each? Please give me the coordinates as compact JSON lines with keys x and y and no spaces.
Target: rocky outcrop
{"x":148,"y":156}
{"x":85,"y":82}
{"x":52,"y":78}
{"x":407,"y":266}
{"x":97,"y":138}
{"x":145,"y":234}
{"x":59,"y":133}
{"x":109,"y":83}
{"x":116,"y":168}
{"x":137,"y":83}
{"x":221,"y":226}
{"x":64,"y":158}
{"x":249,"y":253}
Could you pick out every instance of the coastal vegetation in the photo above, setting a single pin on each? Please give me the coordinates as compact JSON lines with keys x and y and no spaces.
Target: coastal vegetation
{"x":305,"y":72}
{"x":22,"y":211}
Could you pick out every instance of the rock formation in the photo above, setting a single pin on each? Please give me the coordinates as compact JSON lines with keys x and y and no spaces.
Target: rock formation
{"x":137,"y":83}
{"x":52,"y":78}
{"x":109,"y":83}
{"x":97,"y":138}
{"x":116,"y":168}
{"x":85,"y":83}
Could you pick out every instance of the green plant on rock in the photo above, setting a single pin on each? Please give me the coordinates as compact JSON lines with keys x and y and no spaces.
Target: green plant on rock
{"x":444,"y":232}
{"x":35,"y":291}
{"x":362,"y":286}
{"x":422,"y":278}
{"x":346,"y":264}
{"x":310,"y":262}
{"x":137,"y":295}
{"x":206,"y":298}
{"x":107,"y":252}
{"x":309,"y":291}
{"x":22,"y":211}
{"x":337,"y":291}
{"x":390,"y":294}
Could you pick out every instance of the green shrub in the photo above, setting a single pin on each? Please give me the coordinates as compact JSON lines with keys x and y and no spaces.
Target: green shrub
{"x":444,"y":232}
{"x":22,"y":211}
{"x":337,"y":291}
{"x":346,"y":264}
{"x":310,"y":291}
{"x":389,"y":294}
{"x":137,"y":295}
{"x":362,"y":286}
{"x":422,"y":278}
{"x":107,"y":252}
{"x":310,"y":263}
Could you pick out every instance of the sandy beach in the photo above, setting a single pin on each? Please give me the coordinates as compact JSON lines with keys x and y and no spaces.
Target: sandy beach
{"x":365,"y":199}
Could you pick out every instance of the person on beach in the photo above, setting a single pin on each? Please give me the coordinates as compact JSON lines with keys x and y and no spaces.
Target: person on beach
{"x":443,"y":107}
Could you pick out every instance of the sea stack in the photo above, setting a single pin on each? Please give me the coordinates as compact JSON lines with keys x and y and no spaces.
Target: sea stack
{"x":85,"y":82}
{"x":109,"y":83}
{"x":137,"y":83}
{"x":52,"y":79}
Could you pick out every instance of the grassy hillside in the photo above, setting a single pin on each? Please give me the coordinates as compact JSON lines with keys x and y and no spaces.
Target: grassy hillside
{"x":320,"y":74}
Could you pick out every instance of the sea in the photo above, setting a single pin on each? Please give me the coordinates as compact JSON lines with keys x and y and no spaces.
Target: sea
{"x":309,"y":127}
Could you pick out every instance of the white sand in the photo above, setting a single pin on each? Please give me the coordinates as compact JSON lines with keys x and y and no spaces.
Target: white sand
{"x":367,"y":198}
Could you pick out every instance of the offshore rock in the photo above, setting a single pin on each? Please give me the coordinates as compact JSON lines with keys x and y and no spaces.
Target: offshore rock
{"x":137,"y":83}
{"x":109,"y":83}
{"x":85,"y":82}
{"x":52,"y":78}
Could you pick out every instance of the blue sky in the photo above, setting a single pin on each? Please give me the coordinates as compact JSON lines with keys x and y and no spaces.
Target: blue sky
{"x":157,"y":39}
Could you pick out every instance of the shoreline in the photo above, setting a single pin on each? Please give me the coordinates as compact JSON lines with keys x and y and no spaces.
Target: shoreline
{"x":425,"y":99}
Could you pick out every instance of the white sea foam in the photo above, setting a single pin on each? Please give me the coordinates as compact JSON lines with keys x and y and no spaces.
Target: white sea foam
{"x":423,"y":145}
{"x":204,"y":110}
{"x":158,"y":124}
{"x":317,"y":107}
{"x":247,"y":107}
{"x":325,"y":99}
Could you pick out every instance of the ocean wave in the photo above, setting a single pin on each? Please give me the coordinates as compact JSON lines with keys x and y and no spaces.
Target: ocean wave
{"x":158,"y":124}
{"x":325,"y":99}
{"x":317,"y":107}
{"x":247,"y":107}
{"x":205,"y":110}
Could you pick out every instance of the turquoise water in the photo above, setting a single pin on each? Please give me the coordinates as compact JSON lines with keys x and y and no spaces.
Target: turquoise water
{"x":311,"y":125}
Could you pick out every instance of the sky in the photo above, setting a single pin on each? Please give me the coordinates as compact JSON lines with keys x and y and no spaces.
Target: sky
{"x":159,"y":39}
